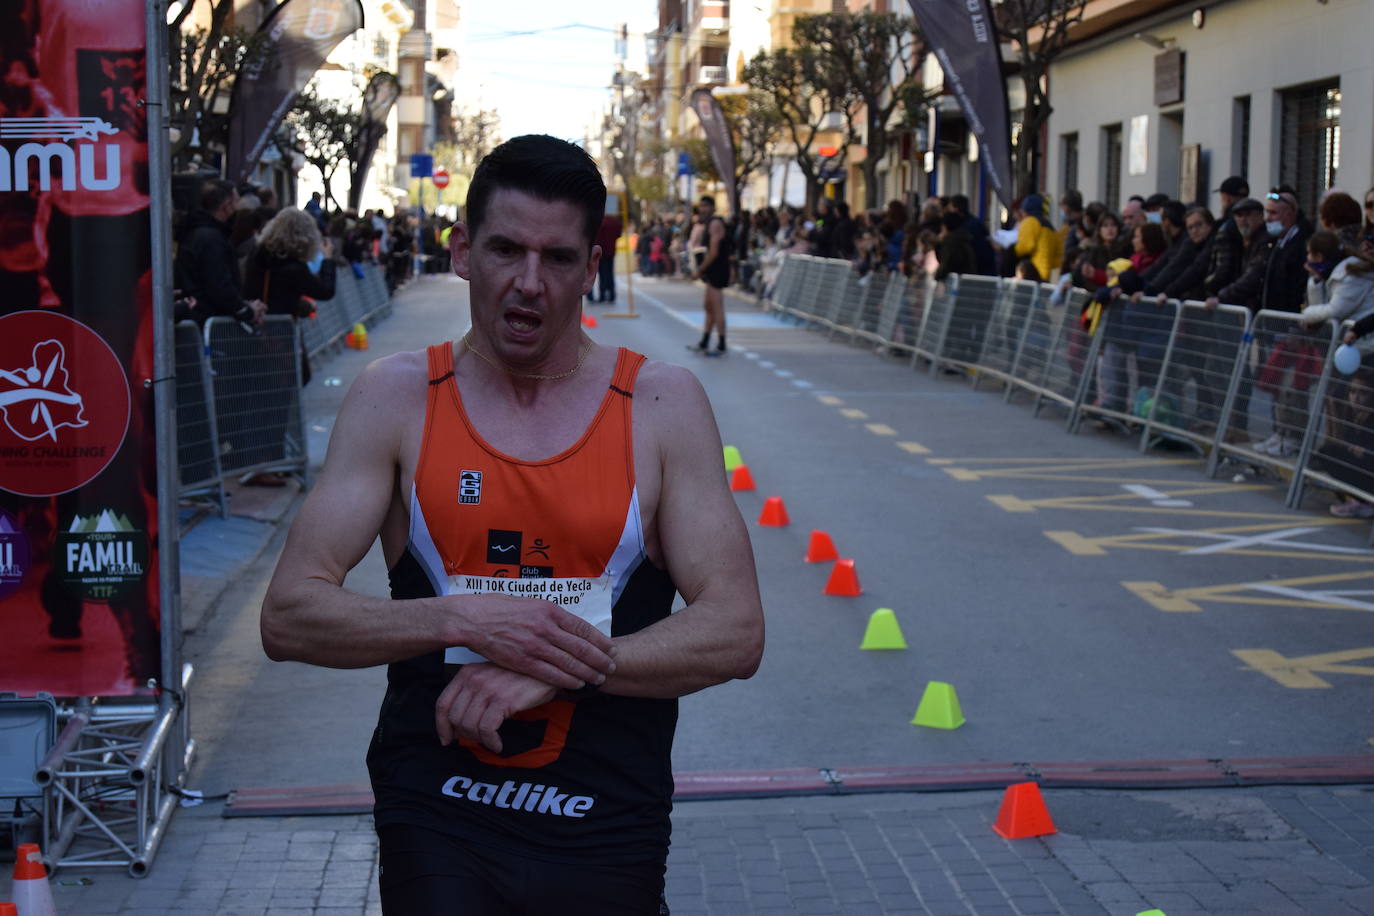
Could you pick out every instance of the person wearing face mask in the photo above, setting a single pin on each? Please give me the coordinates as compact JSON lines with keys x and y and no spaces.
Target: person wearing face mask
{"x":1285,"y":287}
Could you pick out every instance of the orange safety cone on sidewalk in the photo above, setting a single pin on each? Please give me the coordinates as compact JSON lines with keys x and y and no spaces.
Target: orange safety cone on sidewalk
{"x":821,"y":549}
{"x":31,"y":893}
{"x":843,"y":580}
{"x":774,"y":513}
{"x":741,"y":479}
{"x":360,"y":336}
{"x":1023,"y":813}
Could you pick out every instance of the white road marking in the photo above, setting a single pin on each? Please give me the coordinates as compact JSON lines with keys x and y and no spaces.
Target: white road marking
{"x":782,"y":373}
{"x":1322,"y":597}
{"x":766,"y":364}
{"x":1162,"y":500}
{"x":1225,"y":542}
{"x":801,"y":383}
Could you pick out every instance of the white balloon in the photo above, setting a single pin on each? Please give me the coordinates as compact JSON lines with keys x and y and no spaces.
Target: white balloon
{"x":1346,"y":360}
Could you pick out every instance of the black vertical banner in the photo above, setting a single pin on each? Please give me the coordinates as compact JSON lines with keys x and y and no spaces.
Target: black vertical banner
{"x":79,"y":587}
{"x":378,"y":98}
{"x":299,"y":35}
{"x":719,"y":139}
{"x":963,"y":38}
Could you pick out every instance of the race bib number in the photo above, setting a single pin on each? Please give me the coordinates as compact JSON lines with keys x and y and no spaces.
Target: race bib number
{"x":589,"y":599}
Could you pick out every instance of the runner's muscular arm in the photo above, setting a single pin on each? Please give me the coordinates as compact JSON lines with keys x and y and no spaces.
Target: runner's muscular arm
{"x":718,"y":636}
{"x":308,"y":616}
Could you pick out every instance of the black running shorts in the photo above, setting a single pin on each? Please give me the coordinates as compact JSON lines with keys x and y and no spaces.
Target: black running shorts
{"x":427,"y":873}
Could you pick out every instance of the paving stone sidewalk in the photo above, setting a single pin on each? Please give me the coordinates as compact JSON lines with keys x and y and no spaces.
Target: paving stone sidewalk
{"x":1256,"y":852}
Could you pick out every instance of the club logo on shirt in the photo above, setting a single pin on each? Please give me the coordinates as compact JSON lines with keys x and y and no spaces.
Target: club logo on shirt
{"x":469,"y":488}
{"x":503,"y":546}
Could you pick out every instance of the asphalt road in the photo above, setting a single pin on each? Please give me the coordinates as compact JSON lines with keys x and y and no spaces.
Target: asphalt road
{"x":1087,"y":602}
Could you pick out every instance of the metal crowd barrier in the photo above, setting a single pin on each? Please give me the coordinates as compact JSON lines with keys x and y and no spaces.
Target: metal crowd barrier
{"x":197,"y":433}
{"x":356,"y":299}
{"x":239,"y":394}
{"x":1253,"y":389}
{"x":256,"y":380}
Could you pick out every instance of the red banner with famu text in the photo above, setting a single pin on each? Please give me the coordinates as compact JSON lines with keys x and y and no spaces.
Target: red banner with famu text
{"x":79,"y":610}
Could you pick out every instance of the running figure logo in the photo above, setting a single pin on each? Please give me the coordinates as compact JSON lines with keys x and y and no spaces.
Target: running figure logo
{"x":36,"y":401}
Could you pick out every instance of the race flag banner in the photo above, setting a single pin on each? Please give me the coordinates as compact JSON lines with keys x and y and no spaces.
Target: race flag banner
{"x":378,"y":98}
{"x":963,"y":37}
{"x":719,"y":139}
{"x":298,"y":36}
{"x":79,"y":587}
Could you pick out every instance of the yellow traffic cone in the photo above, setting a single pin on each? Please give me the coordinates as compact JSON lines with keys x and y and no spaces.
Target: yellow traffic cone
{"x":883,"y":631}
{"x":939,"y":707}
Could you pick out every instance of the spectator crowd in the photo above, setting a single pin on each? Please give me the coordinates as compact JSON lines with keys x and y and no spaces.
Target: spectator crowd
{"x":1268,"y":252}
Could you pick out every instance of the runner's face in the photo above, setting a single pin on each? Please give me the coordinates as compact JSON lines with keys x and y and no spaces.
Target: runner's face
{"x":528,"y":268}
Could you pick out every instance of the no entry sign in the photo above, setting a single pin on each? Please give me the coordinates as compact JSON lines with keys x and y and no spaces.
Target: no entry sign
{"x":440,"y":178}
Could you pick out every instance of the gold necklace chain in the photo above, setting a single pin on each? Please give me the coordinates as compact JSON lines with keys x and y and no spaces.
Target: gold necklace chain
{"x":582,"y":352}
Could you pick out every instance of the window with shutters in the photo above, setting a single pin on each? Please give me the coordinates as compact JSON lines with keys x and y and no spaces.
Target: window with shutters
{"x":1240,"y":136}
{"x":1112,"y":151}
{"x":1311,"y":140}
{"x":1068,"y":145}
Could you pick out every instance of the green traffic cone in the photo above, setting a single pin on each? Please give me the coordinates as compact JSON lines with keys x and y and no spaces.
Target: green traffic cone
{"x":732,"y":458}
{"x":1151,"y":913}
{"x":883,"y":631}
{"x":939,"y":707}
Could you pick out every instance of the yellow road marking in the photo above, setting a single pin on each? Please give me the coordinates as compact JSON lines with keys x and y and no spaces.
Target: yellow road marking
{"x":914,"y":448}
{"x":880,"y":429}
{"x":960,"y":473}
{"x":1300,"y":672}
{"x":854,"y":413}
{"x":1012,"y":503}
{"x":1203,"y":541}
{"x":1295,"y":593}
{"x":829,"y":400}
{"x":1113,"y":501}
{"x":1076,"y":544}
{"x":1161,"y":597}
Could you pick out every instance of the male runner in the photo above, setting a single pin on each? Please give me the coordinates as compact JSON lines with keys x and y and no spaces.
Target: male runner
{"x":539,"y":499}
{"x":715,"y":270}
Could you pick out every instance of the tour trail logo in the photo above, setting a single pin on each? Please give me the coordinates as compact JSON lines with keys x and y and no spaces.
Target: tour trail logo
{"x":102,"y":557}
{"x":64,"y":404}
{"x":14,"y":555}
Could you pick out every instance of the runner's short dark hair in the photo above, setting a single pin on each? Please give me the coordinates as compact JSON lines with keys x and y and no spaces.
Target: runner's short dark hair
{"x":545,"y":167}
{"x":708,"y":200}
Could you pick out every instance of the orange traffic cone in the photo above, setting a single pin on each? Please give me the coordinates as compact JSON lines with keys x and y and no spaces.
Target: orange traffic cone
{"x":360,"y":336}
{"x":774,"y":513}
{"x":31,"y":893}
{"x":843,"y":580}
{"x":821,"y":549}
{"x":1023,"y":813}
{"x":350,"y":341}
{"x":589,"y":321}
{"x":741,"y":479}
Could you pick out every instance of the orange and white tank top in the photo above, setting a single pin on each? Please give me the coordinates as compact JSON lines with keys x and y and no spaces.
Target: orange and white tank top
{"x":583,"y":781}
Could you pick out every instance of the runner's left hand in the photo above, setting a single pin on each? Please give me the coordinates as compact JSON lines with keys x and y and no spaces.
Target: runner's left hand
{"x":481,"y":696}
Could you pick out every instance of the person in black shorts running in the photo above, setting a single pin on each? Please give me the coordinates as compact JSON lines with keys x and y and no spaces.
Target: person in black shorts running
{"x":715,"y":270}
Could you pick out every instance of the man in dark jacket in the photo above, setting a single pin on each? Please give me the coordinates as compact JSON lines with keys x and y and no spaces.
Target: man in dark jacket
{"x":206,"y":265}
{"x":955,"y":253}
{"x":985,"y":258}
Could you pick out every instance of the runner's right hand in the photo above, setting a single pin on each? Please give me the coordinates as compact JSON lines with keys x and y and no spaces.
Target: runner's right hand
{"x":538,"y":638}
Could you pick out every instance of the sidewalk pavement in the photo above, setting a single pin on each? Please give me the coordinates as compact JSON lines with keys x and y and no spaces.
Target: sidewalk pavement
{"x":1220,"y":852}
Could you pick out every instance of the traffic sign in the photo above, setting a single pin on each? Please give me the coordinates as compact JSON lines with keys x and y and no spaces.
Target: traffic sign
{"x":440,"y":178}
{"x":421,"y":165}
